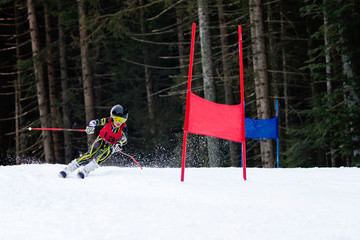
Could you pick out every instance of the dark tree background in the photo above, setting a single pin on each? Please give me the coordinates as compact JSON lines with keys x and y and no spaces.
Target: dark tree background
{"x":93,"y":54}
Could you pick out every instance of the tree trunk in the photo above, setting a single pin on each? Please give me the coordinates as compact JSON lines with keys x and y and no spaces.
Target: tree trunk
{"x":285,"y":141}
{"x":17,"y":109}
{"x":229,"y":95}
{"x":148,"y":84}
{"x":64,"y":85}
{"x":328,"y":79}
{"x":208,"y":75}
{"x":86,"y":72}
{"x":40,"y":83}
{"x":273,"y":46}
{"x":181,"y":39}
{"x":285,"y":78}
{"x":149,"y":97}
{"x":19,"y":135}
{"x":260,"y":76}
{"x":351,"y":67}
{"x":54,"y":113}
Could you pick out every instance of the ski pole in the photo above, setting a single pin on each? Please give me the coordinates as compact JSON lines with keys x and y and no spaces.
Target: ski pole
{"x":57,"y":129}
{"x":128,"y":155}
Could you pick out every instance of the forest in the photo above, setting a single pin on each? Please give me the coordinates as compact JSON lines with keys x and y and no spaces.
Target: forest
{"x":66,"y":62}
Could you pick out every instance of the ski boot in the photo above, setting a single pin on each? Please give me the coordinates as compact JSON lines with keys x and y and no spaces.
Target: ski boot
{"x":72,"y":166}
{"x":91,"y":166}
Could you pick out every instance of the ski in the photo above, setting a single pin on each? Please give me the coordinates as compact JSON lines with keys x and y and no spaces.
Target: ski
{"x":81,"y":175}
{"x":62,"y":174}
{"x":92,"y":165}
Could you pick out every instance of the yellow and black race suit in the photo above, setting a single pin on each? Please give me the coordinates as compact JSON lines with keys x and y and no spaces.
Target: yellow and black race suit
{"x":102,"y":147}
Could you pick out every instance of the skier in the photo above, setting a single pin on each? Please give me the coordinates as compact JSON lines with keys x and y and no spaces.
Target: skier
{"x":112,"y":137}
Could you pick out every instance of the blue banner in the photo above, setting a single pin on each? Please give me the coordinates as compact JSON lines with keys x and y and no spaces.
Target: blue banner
{"x":261,"y":129}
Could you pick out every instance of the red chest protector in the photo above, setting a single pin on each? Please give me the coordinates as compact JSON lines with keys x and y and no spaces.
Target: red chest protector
{"x":108,"y":135}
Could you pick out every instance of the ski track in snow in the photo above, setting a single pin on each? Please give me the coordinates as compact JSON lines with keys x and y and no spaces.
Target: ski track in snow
{"x":212,"y":203}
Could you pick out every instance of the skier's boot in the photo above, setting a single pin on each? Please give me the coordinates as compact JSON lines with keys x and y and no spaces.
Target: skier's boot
{"x":72,"y":166}
{"x":91,"y":166}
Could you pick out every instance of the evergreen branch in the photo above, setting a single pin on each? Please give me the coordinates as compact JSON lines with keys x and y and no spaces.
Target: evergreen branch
{"x":161,"y":13}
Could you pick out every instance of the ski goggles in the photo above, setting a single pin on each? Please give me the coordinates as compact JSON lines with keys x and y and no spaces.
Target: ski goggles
{"x":119,"y":119}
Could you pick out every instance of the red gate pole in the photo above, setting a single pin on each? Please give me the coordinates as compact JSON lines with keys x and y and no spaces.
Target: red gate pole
{"x":186,"y":124}
{"x":242,"y":101}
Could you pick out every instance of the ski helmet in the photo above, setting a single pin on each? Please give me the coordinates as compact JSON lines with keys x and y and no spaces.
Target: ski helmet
{"x":118,"y":113}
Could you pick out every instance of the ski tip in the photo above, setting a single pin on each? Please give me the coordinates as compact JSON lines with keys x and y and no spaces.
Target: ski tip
{"x":81,"y":175}
{"x":62,"y":174}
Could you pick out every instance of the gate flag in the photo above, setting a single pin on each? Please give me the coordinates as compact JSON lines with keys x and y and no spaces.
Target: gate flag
{"x":261,"y":129}
{"x":215,"y":120}
{"x":264,"y":129}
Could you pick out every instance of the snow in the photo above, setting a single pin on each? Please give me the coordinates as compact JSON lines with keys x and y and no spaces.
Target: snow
{"x":152,"y":203}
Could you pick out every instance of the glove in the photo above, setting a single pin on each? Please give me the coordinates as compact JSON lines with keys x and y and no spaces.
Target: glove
{"x":92,"y":123}
{"x":89,"y":130}
{"x":117,"y":147}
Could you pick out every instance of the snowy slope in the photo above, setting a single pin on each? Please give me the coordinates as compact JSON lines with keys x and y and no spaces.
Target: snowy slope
{"x":129,"y":203}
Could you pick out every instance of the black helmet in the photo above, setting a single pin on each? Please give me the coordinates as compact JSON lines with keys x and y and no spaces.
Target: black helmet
{"x":118,"y":113}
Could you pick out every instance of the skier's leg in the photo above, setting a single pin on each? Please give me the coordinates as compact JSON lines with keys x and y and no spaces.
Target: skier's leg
{"x":72,"y":166}
{"x":91,"y":166}
{"x":95,"y":147}
{"x":77,"y":162}
{"x":105,"y":155}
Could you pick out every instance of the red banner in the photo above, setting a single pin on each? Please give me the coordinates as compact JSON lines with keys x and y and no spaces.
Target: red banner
{"x":215,"y":120}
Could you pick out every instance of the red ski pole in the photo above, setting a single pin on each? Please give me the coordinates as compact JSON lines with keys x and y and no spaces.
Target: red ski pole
{"x":58,"y":129}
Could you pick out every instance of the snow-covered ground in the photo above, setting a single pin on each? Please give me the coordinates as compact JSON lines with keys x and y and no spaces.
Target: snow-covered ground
{"x":213,"y":203}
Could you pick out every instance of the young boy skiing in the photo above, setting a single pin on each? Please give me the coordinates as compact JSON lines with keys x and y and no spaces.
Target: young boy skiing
{"x":112,"y":137}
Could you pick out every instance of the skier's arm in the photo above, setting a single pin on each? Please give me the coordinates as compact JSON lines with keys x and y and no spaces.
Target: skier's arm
{"x":118,"y":146}
{"x":94,"y":123}
{"x":124,"y":136}
{"x":98,"y":122}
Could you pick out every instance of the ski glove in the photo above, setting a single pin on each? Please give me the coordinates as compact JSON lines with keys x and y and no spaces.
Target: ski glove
{"x":93,"y":123}
{"x":90,"y":129}
{"x":117,"y":147}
